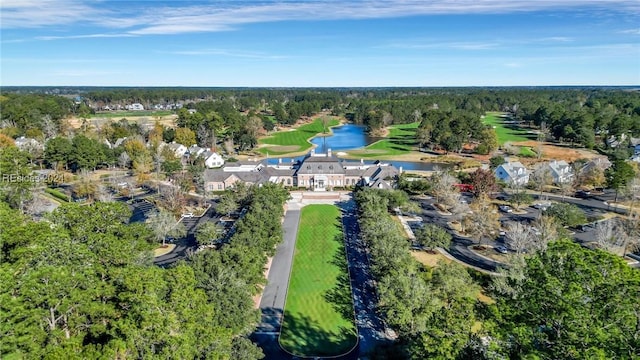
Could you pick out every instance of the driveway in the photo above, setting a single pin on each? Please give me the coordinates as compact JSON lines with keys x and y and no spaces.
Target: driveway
{"x":275,"y":293}
{"x":370,"y":328}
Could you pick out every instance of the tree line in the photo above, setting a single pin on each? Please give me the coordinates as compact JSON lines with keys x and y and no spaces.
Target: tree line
{"x":448,"y":117}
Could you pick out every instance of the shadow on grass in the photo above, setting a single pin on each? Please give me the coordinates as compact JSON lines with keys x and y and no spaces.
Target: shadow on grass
{"x":340,"y":296}
{"x":301,"y":336}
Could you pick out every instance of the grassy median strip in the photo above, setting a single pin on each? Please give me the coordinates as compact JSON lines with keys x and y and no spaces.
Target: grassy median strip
{"x":318,"y":317}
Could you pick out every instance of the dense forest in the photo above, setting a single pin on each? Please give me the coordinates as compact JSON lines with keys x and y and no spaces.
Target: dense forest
{"x":82,"y":285}
{"x":448,"y":117}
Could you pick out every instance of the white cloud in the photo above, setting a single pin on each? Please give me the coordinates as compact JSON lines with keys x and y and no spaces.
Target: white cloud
{"x":227,"y":52}
{"x":631,"y":31}
{"x":419,"y":45}
{"x":146,"y":18}
{"x":40,"y":13}
{"x":86,"y":36}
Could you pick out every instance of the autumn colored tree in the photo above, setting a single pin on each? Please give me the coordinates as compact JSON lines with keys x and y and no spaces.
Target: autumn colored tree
{"x":483,"y":182}
{"x":185,"y":136}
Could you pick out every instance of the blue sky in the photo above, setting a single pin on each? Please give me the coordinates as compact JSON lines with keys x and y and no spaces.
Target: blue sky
{"x":320,"y":43}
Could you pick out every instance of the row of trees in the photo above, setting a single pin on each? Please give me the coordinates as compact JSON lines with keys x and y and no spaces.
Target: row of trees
{"x":431,"y":309}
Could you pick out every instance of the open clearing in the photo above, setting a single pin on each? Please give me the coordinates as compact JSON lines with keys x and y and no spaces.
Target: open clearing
{"x":400,"y":140}
{"x":297,"y":137}
{"x":318,"y":317}
{"x":429,"y":259}
{"x":96,"y":121}
{"x":505,"y":132}
{"x":557,"y":152}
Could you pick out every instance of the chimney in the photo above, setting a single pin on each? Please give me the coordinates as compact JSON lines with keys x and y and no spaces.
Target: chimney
{"x":400,"y":170}
{"x":362,"y":161}
{"x":313,"y":152}
{"x":328,"y":152}
{"x":279,"y":160}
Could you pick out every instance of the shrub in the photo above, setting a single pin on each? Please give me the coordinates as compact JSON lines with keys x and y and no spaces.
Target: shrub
{"x":57,"y":194}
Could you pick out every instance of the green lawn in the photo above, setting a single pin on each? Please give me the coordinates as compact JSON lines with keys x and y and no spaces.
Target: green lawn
{"x":120,"y":114}
{"x":401,"y":140}
{"x":526,"y":151}
{"x":503,"y":132}
{"x":294,"y":140}
{"x":318,"y":317}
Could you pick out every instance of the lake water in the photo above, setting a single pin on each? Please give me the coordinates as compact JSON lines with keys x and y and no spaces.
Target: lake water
{"x":345,"y":137}
{"x":349,"y":137}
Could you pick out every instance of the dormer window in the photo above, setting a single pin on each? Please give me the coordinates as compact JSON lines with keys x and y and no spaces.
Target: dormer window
{"x":319,"y":167}
{"x":330,"y":167}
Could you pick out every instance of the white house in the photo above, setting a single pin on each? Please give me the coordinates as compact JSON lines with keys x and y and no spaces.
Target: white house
{"x":135,"y":107}
{"x":561,"y":172}
{"x":513,"y":173}
{"x":178,"y":149}
{"x":212,"y":159}
{"x":195,"y":151}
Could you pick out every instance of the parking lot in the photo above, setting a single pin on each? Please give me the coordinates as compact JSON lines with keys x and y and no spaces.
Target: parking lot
{"x":592,"y":208}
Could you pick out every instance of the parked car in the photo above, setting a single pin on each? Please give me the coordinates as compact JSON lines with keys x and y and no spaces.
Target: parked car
{"x":501,"y":249}
{"x":541,"y":206}
{"x":187,"y":215}
{"x":583,"y":194}
{"x":505,"y":208}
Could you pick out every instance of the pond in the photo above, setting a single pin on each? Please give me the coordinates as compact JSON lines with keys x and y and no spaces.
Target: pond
{"x":345,"y":137}
{"x":351,"y":136}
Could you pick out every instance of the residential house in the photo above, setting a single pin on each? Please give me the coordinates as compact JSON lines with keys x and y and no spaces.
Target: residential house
{"x":513,"y":173}
{"x":212,"y":159}
{"x":194,"y":151}
{"x":178,"y":149}
{"x":561,"y":171}
{"x":602,"y":163}
{"x":135,"y":107}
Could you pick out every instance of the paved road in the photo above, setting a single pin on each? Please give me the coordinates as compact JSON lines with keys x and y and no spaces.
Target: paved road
{"x":275,"y":293}
{"x":186,"y":245}
{"x":371,"y":329}
{"x":593,"y":207}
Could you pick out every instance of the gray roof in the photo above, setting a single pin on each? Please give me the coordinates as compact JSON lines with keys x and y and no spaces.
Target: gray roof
{"x":271,"y":171}
{"x":254,"y":177}
{"x":320,"y":165}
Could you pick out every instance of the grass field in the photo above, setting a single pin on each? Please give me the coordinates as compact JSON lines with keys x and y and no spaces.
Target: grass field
{"x":121,"y":114}
{"x":401,"y":140}
{"x":318,"y":318}
{"x":503,"y":131}
{"x":294,"y":140}
{"x":526,"y":151}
